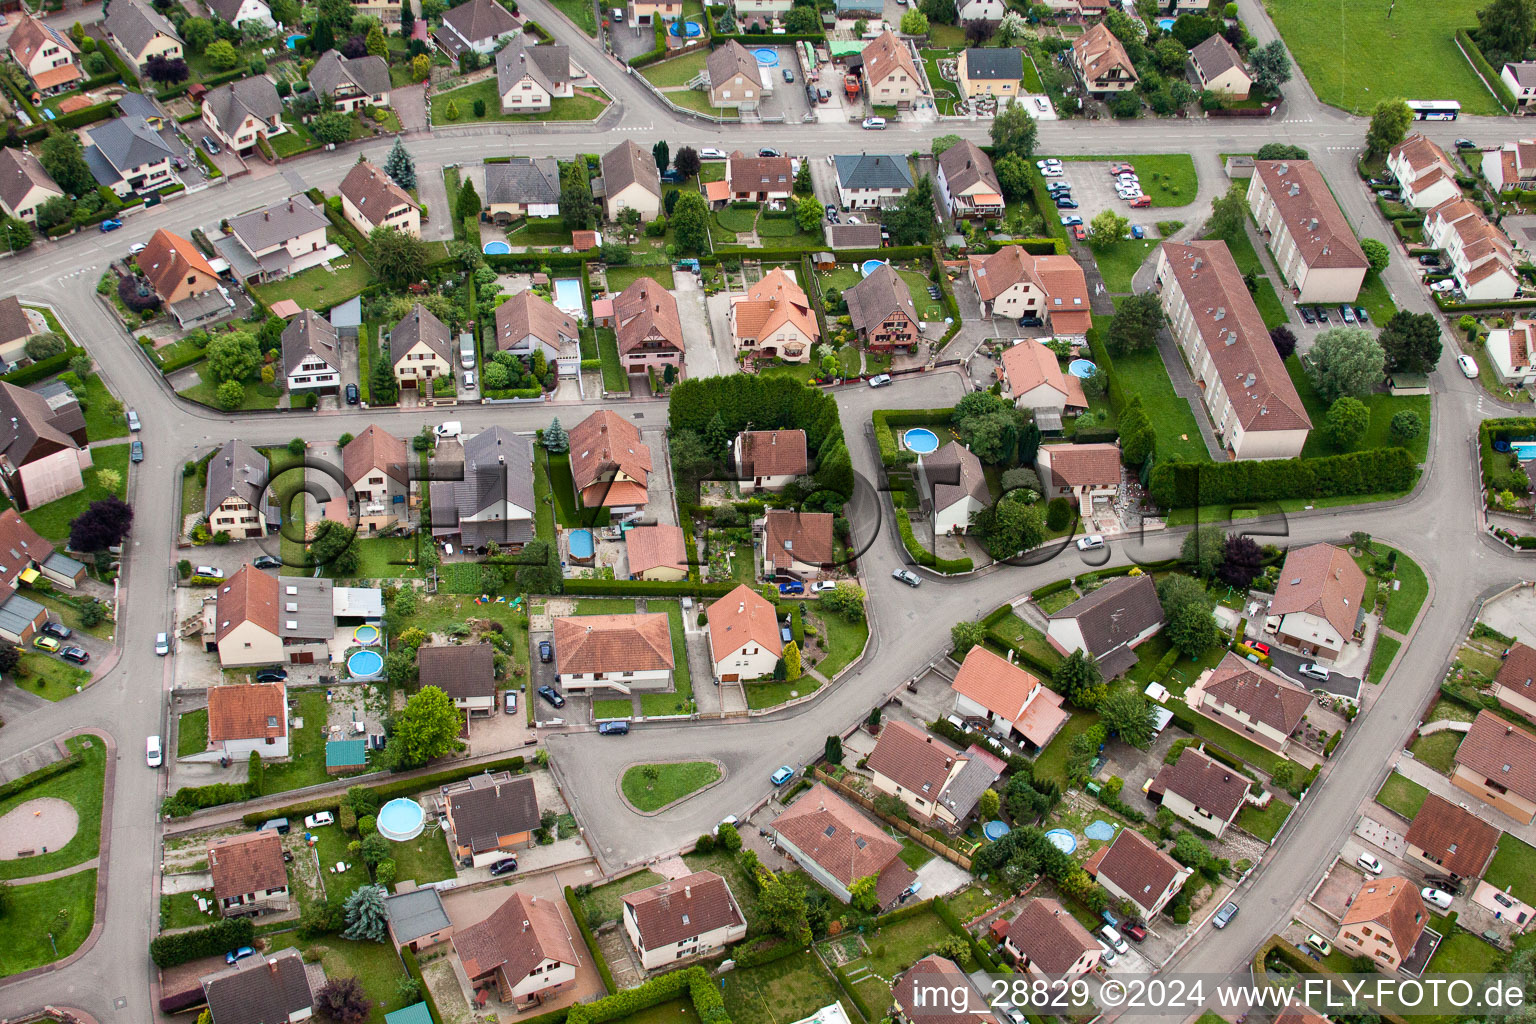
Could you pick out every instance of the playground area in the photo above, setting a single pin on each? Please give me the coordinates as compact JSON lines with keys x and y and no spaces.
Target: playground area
{"x":37,"y":826}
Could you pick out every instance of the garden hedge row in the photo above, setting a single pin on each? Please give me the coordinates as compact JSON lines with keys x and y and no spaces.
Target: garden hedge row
{"x":1301,"y":964}
{"x":1401,"y":213}
{"x":43,"y":368}
{"x":1190,"y":485}
{"x":885,"y":420}
{"x":181,"y":947}
{"x":43,"y":774}
{"x":695,"y":982}
{"x":1042,"y":592}
{"x":921,"y":555}
{"x":648,"y":588}
{"x":1489,"y":76}
{"x":1451,"y":305}
{"x":387,"y":790}
{"x":591,"y":940}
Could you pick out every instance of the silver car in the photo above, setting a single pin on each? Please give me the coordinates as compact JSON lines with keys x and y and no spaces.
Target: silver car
{"x":162,"y":644}
{"x":908,"y":577}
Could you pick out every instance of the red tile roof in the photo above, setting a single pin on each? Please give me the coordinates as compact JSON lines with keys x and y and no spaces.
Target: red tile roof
{"x":1050,"y":936}
{"x":655,"y":547}
{"x":963,"y":1005}
{"x":1457,"y":839}
{"x":586,"y":644}
{"x":917,"y":761}
{"x":1259,"y":693}
{"x":676,"y":909}
{"x":518,"y":936}
{"x":743,"y":615}
{"x":1311,"y":214}
{"x":1137,"y":868}
{"x":1393,"y":903}
{"x":1501,"y":752}
{"x":1324,"y":580}
{"x":827,"y":829}
{"x":1204,"y":782}
{"x":20,"y":546}
{"x":773,"y":453}
{"x":249,"y":863}
{"x":247,"y":711}
{"x":790,"y":536}
{"x":602,"y":446}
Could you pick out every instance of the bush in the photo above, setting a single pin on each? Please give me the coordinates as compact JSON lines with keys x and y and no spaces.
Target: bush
{"x":1190,"y":485}
{"x":215,"y":940}
{"x":1058,"y":513}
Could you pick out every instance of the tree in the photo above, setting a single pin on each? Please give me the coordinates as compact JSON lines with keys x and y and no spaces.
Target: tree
{"x":911,"y":220}
{"x":986,"y":422}
{"x":324,"y":38}
{"x":61,"y":156}
{"x":10,"y":657}
{"x":381,"y":383}
{"x":1078,"y":679}
{"x":196,"y":34}
{"x":1201,"y":551}
{"x":687,"y":162}
{"x":467,"y":206}
{"x":1107,"y":227}
{"x":1129,"y":714}
{"x":1505,"y":30}
{"x":1411,"y":342}
{"x":1270,"y":66}
{"x":1135,"y":324}
{"x":377,"y":47}
{"x":943,"y":12}
{"x":1281,"y":151}
{"x":1013,"y":174}
{"x":989,"y":805}
{"x":164,"y":70}
{"x":803,"y":185}
{"x":44,"y":344}
{"x":845,"y":599}
{"x":1190,"y":624}
{"x":375,"y":849}
{"x":398,"y":258}
{"x":221,"y":55}
{"x":1406,"y":425}
{"x":230,"y":395}
{"x":1348,"y":420}
{"x":661,"y":152}
{"x":1345,"y":361}
{"x":861,"y":893}
{"x":400,"y":166}
{"x":977,"y":32}
{"x":1389,"y":124}
{"x":427,"y":729}
{"x":1228,"y":212}
{"x":792,"y":669}
{"x":802,"y":21}
{"x":1241,"y":561}
{"x":1014,"y":131}
{"x":1169,"y":55}
{"x":1376,"y":254}
{"x":233,"y":355}
{"x":833,"y":749}
{"x":18,"y":234}
{"x":332,"y":128}
{"x":781,"y":900}
{"x":104,"y":522}
{"x":342,"y":1000}
{"x":965,"y":635}
{"x":914,"y":23}
{"x":1284,"y":339}
{"x":690,"y":223}
{"x":808,"y":211}
{"x":556,"y":440}
{"x":367,"y":920}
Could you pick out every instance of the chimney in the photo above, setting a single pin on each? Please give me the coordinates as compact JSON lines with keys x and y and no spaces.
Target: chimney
{"x":687,"y":892}
{"x":272,"y":966}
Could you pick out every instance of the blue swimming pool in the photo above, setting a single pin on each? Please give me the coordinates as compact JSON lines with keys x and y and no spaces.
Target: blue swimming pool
{"x":581,"y":545}
{"x":400,"y":820}
{"x":365,"y":665}
{"x":1063,"y":840}
{"x":1166,"y":24}
{"x":568,"y":295}
{"x":1100,"y":830}
{"x":870,"y":266}
{"x":921,"y":440}
{"x":995,"y":830}
{"x":1525,"y":451}
{"x":496,"y":248}
{"x":691,"y":29}
{"x":767,"y":56}
{"x":1081,"y":368}
{"x":293,"y":40}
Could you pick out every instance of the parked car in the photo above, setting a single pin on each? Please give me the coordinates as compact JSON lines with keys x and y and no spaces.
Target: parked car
{"x":792,"y":587}
{"x":1141,"y":202}
{"x":137,"y":247}
{"x":1261,"y":647}
{"x":874,"y":123}
{"x":1066,"y":203}
{"x":1134,"y":931}
{"x":1429,"y":259}
{"x":78,"y":655}
{"x":1225,"y":915}
{"x":45,"y":643}
{"x":503,"y":866}
{"x":1312,"y":670}
{"x":1319,"y":943}
{"x":1137,"y":231}
{"x":1362,"y":314}
{"x":271,"y":675}
{"x":613,"y":728}
{"x":234,"y":956}
{"x":209,"y":571}
{"x":1307,"y":314}
{"x":1069,"y":219}
{"x":769,"y":151}
{"x":353,"y":395}
{"x":789,"y":76}
{"x":782,"y":774}
{"x":1119,"y":168}
{"x":546,"y":651}
{"x":153,"y":755}
{"x":1079,"y":232}
{"x":453,"y":428}
{"x":469,"y":380}
{"x":1053,"y":171}
{"x":57,"y":629}
{"x":1107,"y":952}
{"x":133,"y":420}
{"x":1347,"y":313}
{"x":162,"y":644}
{"x":1109,"y":935}
{"x":1446,"y":882}
{"x":1465,"y":144}
{"x":822,"y":586}
{"x":320,"y":819}
{"x":1047,"y":163}
{"x":1092,"y":542}
{"x":1322,"y":315}
{"x":212,"y":147}
{"x":1468,"y":366}
{"x":1447,"y":285}
{"x":509,"y":701}
{"x":1436,"y":897}
{"x":552,"y":696}
{"x":712,"y":153}
{"x":907,"y":576}
{"x":110,"y":224}
{"x":1030,"y":320}
{"x":879,"y":380}
{"x":278,"y":825}
{"x":1369,"y":863}
{"x":267,"y":562}
{"x":136,"y":451}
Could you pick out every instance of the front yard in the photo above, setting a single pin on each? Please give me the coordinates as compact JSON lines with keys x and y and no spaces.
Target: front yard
{"x":320,"y":288}
{"x":584,"y":106}
{"x":1514,"y":868}
{"x":49,"y":677}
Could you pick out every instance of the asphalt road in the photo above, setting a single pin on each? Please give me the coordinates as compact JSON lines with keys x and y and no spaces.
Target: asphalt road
{"x":1436,"y":525}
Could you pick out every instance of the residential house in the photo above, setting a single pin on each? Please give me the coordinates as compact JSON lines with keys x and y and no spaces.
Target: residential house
{"x":1513,"y":686}
{"x":126,"y":155}
{"x":610,"y":465}
{"x":759,"y":179}
{"x":1201,"y":791}
{"x":1496,"y":763}
{"x":1318,"y":599}
{"x":1511,"y":166}
{"x":522,"y":187}
{"x":245,"y":717}
{"x":24,"y":185}
{"x":417,"y":919}
{"x":882,"y":312}
{"x":1481,"y":254}
{"x":917,"y":999}
{"x":954,"y":488}
{"x":1013,"y":283}
{"x":238,"y":12}
{"x":1033,"y":379}
{"x":387,"y":11}
{"x":1009,"y":702}
{"x":867,"y":181}
{"x":1109,"y":623}
{"x":621,"y":652}
{"x":1247,"y":391}
{"x":650,"y":331}
{"x":376,"y":468}
{"x":1047,"y":942}
{"x":420,"y":349}
{"x":763,"y":10}
{"x":490,"y":500}
{"x":1085,"y":473}
{"x":744,"y":638}
{"x":991,"y":11}
{"x":1102,"y":63}
{"x":183,"y":278}
{"x":311,"y":355}
{"x":1312,"y":243}
{"x":648,"y":12}
{"x":30,"y":556}
{"x":273,"y":988}
{"x":371,"y":199}
{"x":937,"y":783}
{"x":1520,"y":77}
{"x":774,"y":320}
{"x":490,"y":815}
{"x":992,"y":70}
{"x":1249,"y":699}
{"x":838,"y":846}
{"x":682,"y":917}
{"x":1450,"y":840}
{"x":1383,"y":921}
{"x":735,"y":79}
{"x":249,"y":876}
{"x":527,"y":323}
{"x":277,"y":241}
{"x":522,"y":952}
{"x":140,"y":32}
{"x":259,"y":619}
{"x":352,"y":83}
{"x":797,"y":545}
{"x":530,"y":78}
{"x":478,"y":25}
{"x":657,"y":552}
{"x":890,"y":72}
{"x":1131,"y":868}
{"x":853,"y":236}
{"x":242,"y":113}
{"x":630,"y":182}
{"x":769,"y":460}
{"x":234,"y":500}
{"x":968,"y":184}
{"x":1510,"y":350}
{"x":1220,"y":69}
{"x":43,"y":451}
{"x":1425,"y":175}
{"x":46,"y":55}
{"x":16,"y":326}
{"x":465,"y":672}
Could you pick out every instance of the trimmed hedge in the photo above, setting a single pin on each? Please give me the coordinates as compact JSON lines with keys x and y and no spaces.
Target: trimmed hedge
{"x":387,"y":791}
{"x":43,"y":368}
{"x":694,"y":982}
{"x":181,"y":947}
{"x":1189,"y":485}
{"x":591,"y":940}
{"x":43,"y":774}
{"x":1045,"y":591}
{"x":648,"y":588}
{"x":1485,"y":70}
{"x":768,"y":954}
{"x":885,"y":420}
{"x":921,"y":554}
{"x":1045,"y":206}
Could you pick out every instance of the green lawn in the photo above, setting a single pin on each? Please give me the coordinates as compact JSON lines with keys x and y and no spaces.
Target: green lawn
{"x":50,"y":677}
{"x":896,"y":947}
{"x":1052,"y":762}
{"x":386,"y":557}
{"x":1464,"y":953}
{"x":376,"y":965}
{"x":1381,"y":657}
{"x":575,"y":108}
{"x":568,"y":512}
{"x":257,"y":395}
{"x":1382,"y":408}
{"x":1054,"y":603}
{"x":331,"y":846}
{"x":69,"y":615}
{"x":1403,"y":607}
{"x":1028,"y":639}
{"x":81,"y":786}
{"x":615,"y":379}
{"x":1178,"y":434}
{"x":192,"y":733}
{"x":180,"y":911}
{"x":1177,"y":189}
{"x":319,"y":288}
{"x":844,"y":640}
{"x":52,"y":520}
{"x":1328,"y":38}
{"x":46,"y":921}
{"x":928,"y":309}
{"x":679,"y":702}
{"x":1266,"y":823}
{"x":306,"y":766}
{"x":602,"y":903}
{"x":1513,"y":868}
{"x":767,"y":695}
{"x":1269,"y":305}
{"x":677,"y":779}
{"x":677,"y":72}
{"x":580,"y":12}
{"x":738,"y":221}
{"x":423,"y":859}
{"x":913,"y":854}
{"x":1119,"y":262}
{"x":1376,"y":299}
{"x":785,"y":990}
{"x":620,"y":278}
{"x":98,"y":425}
{"x":693,"y":99}
{"x":618,"y":708}
{"x":1437,"y":750}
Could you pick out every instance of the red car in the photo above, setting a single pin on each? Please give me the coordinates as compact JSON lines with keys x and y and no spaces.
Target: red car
{"x":1261,"y":647}
{"x":1079,"y":232}
{"x":1135,"y":931}
{"x":1141,"y":201}
{"x":1121,"y":168}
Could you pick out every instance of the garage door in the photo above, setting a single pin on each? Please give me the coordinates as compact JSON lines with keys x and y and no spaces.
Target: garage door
{"x":306,"y":658}
{"x":732,"y":678}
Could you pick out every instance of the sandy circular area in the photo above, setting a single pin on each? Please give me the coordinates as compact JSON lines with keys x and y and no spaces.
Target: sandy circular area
{"x":45,"y":822}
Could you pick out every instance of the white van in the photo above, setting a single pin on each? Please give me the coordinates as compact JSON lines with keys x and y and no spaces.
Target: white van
{"x":152,"y":754}
{"x":453,"y":428}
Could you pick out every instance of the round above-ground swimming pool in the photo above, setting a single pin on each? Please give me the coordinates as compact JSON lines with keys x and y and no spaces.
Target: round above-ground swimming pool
{"x":767,"y":57}
{"x":921,"y":440}
{"x":995,"y":830}
{"x":1100,"y":830}
{"x":365,"y":664}
{"x":581,"y":545}
{"x":1060,"y":838}
{"x":496,"y":248}
{"x":870,"y":266}
{"x":366,"y":635}
{"x":691,"y":29}
{"x":1081,"y":368}
{"x":401,"y":819}
{"x":1166,"y":24}
{"x":293,"y":40}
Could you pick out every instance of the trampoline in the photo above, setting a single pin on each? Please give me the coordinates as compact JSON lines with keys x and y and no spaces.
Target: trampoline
{"x":1081,"y":368}
{"x":1100,"y":830}
{"x":401,"y":819}
{"x":921,"y":440}
{"x":1059,"y":838}
{"x":767,"y":57}
{"x":366,"y":635}
{"x":293,"y":40}
{"x":365,"y":665}
{"x":870,"y":266}
{"x":581,"y":545}
{"x":496,"y":248}
{"x":691,"y":29}
{"x":995,"y":830}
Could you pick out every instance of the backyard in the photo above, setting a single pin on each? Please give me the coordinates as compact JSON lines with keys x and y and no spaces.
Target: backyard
{"x":789,"y":989}
{"x":376,"y":965}
{"x":1178,"y":434}
{"x":1514,"y":868}
{"x":1437,"y":750}
{"x":650,"y":787}
{"x":891,"y":950}
{"x":320,"y":288}
{"x":52,"y":520}
{"x":676,"y":72}
{"x":192,"y":733}
{"x":680,"y":700}
{"x":602,"y":903}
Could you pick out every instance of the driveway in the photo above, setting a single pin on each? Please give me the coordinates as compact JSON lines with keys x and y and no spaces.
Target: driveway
{"x":700,"y":356}
{"x":410,"y":106}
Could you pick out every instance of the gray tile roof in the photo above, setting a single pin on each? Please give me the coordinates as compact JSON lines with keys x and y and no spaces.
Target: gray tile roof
{"x":14,"y":322}
{"x":480,"y":20}
{"x":129,"y":142}
{"x":1215,"y":56}
{"x":549,"y":66}
{"x":134,"y":25}
{"x":953,"y":473}
{"x":1115,"y":613}
{"x":29,"y":427}
{"x":275,"y":224}
{"x":492,"y":808}
{"x":307,"y":333}
{"x":17,"y":613}
{"x":260,"y":989}
{"x":101,"y":168}
{"x":975,"y":778}
{"x":256,"y":97}
{"x":459,"y":670}
{"x":994,"y":63}
{"x":419,"y":325}
{"x":873,"y":170}
{"x":136,"y":104}
{"x":1524,"y":73}
{"x":728,"y":61}
{"x":523,"y":180}
{"x":498,"y":466}
{"x":236,"y":470}
{"x":368,"y":74}
{"x":853,"y":236}
{"x":229,"y":9}
{"x":627,"y":163}
{"x":877,"y":297}
{"x":964,"y":164}
{"x":416,"y":913}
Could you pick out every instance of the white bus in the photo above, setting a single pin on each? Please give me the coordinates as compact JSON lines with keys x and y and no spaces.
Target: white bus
{"x":1434,"y":110}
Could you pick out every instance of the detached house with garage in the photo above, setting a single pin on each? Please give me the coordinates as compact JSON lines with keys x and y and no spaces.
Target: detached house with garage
{"x":277,"y":241}
{"x":127,"y":156}
{"x":1082,"y":473}
{"x":24,"y":556}
{"x":1032,"y":378}
{"x":649,"y":329}
{"x":1496,"y":763}
{"x":1383,"y":921}
{"x":24,"y":185}
{"x":744,"y":637}
{"x":682,"y":917}
{"x":526,"y":324}
{"x":968,"y":184}
{"x":489,"y":500}
{"x":990,"y":71}
{"x":954,"y":488}
{"x":1006,"y":700}
{"x":140,"y":32}
{"x":1318,"y":600}
{"x":937,"y":783}
{"x":238,"y":12}
{"x":371,"y":199}
{"x":1220,"y":69}
{"x":797,"y":545}
{"x":621,"y":652}
{"x":420,"y":349}
{"x":417,"y":919}
{"x":242,"y":113}
{"x":837,"y":846}
{"x":43,"y":451}
{"x":868,"y":181}
{"x":46,"y":55}
{"x":1450,"y":840}
{"x":490,"y":815}
{"x":630,"y":182}
{"x":735,"y":80}
{"x":1512,"y":351}
{"x":16,"y":326}
{"x":610,"y":465}
{"x":890,"y":72}
{"x":1109,"y":623}
{"x":1011,"y":283}
{"x":1251,"y":700}
{"x":1048,"y":942}
{"x":522,"y":187}
{"x":769,"y":460}
{"x":1515,"y":685}
{"x":235,"y":500}
{"x":1424,"y":173}
{"x":774,"y":320}
{"x":478,"y":25}
{"x":376,"y":467}
{"x":522,"y":953}
{"x":249,"y":875}
{"x":530,"y":78}
{"x":1200,"y":790}
{"x":258,"y":619}
{"x":271,"y":989}
{"x":759,"y":179}
{"x":881,"y":309}
{"x":243,"y":717}
{"x":465,"y":672}
{"x":1512,"y":165}
{"x":1312,"y":243}
{"x":311,"y":357}
{"x":913,"y":995}
{"x":183,"y":278}
{"x":1131,"y":868}
{"x":1101,"y":63}
{"x":352,"y":83}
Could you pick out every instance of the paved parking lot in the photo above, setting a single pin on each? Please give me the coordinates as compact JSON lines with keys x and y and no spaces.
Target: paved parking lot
{"x":1094,"y":190}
